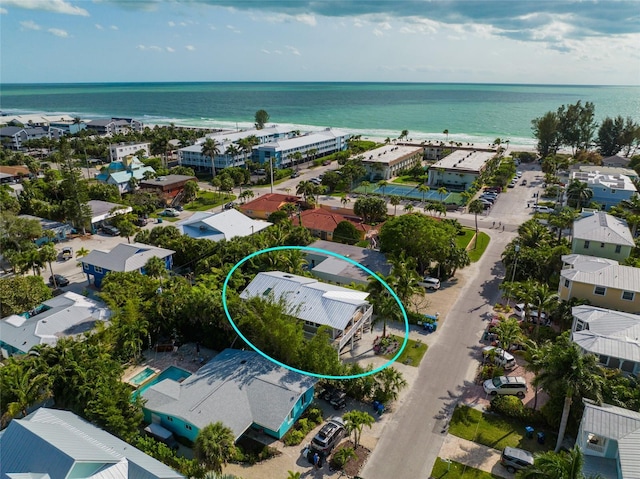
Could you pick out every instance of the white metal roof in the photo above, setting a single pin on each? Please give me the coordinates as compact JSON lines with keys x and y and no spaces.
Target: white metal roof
{"x":307,"y":298}
{"x":596,"y":271}
{"x":125,"y":257}
{"x":222,"y":225}
{"x":236,"y":387}
{"x":596,"y":178}
{"x":53,"y":441}
{"x":621,"y":425}
{"x":604,"y":228}
{"x":388,"y":154}
{"x":303,"y":141}
{"x":465,"y":160}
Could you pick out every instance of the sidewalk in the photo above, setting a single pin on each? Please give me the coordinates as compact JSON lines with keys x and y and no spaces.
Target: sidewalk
{"x":473,"y":455}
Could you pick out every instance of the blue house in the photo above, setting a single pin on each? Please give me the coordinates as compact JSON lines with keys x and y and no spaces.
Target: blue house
{"x":239,"y":388}
{"x":120,"y":173}
{"x":59,"y":230}
{"x":123,"y":258}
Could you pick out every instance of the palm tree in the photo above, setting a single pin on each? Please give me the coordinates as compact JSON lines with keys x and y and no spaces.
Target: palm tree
{"x":566,"y":370}
{"x":214,"y":446}
{"x":543,"y":299}
{"x":395,"y":200}
{"x":354,"y":422}
{"x":156,"y":268}
{"x":382,"y":185}
{"x":424,"y":189}
{"x":305,"y":188}
{"x":27,"y":387}
{"x":211,"y":148}
{"x":476,"y":207}
{"x":389,"y":383}
{"x":345,"y":200}
{"x":446,"y":132}
{"x":232,"y":151}
{"x":48,"y":254}
{"x":365,"y":185}
{"x":403,"y":134}
{"x":404,"y":277}
{"x":508,"y":332}
{"x":554,"y":465}
{"x":578,"y":193}
{"x":82,"y":252}
{"x":563,"y":219}
{"x":442,"y":191}
{"x":535,"y":355}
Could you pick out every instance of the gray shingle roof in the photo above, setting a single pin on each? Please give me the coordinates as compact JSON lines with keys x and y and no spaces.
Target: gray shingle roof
{"x":601,"y":272}
{"x":308,"y":299}
{"x":236,"y":387}
{"x":618,"y":424}
{"x":603,"y":228}
{"x":125,"y":257}
{"x":62,"y":439}
{"x":218,"y":226}
{"x":374,"y":260}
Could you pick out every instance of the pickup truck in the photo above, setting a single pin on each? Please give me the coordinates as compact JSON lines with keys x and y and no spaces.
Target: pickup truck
{"x":66,"y":253}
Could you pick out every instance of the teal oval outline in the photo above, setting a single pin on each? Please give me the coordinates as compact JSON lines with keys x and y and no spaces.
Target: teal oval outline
{"x":324,"y":252}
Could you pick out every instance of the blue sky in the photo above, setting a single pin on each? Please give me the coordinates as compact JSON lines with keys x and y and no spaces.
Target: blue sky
{"x":499,"y":41}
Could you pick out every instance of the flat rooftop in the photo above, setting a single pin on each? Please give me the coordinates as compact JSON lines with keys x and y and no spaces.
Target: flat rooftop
{"x":389,"y":154}
{"x":465,"y":160}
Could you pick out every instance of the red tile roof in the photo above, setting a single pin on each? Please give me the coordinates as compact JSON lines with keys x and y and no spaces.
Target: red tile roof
{"x":270,"y":202}
{"x":322,"y":220}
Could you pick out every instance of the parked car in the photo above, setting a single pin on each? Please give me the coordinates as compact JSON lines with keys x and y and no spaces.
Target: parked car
{"x":329,"y":436}
{"x":229,"y":205}
{"x":110,"y":230}
{"x":326,"y":162}
{"x":161,"y":434}
{"x":515,"y":459}
{"x":524,"y":182}
{"x":66,"y":253}
{"x":140,"y":221}
{"x":179,"y":207}
{"x":519,"y":310}
{"x":335,"y":397}
{"x":60,"y":280}
{"x":542,"y":209}
{"x":295,"y":174}
{"x":170,"y":212}
{"x":430,"y":283}
{"x":500,"y":357}
{"x":509,"y":385}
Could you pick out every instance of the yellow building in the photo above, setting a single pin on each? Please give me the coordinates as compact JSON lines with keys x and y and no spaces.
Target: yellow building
{"x":603,"y":282}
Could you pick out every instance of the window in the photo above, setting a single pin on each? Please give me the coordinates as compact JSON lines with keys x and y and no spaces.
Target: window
{"x":188,"y":427}
{"x":601,"y":245}
{"x":97,"y":269}
{"x":628,"y":295}
{"x":618,"y":248}
{"x":586,"y":245}
{"x":579,"y":325}
{"x":566,"y":283}
{"x":169,"y":418}
{"x":600,"y":290}
{"x":85,"y":266}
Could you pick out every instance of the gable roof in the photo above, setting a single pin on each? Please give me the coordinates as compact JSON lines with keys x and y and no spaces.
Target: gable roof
{"x":69,"y":314}
{"x":308,"y":299}
{"x":62,"y":440}
{"x":218,"y":226}
{"x":372,"y":259}
{"x":601,"y":272}
{"x":236,"y":387}
{"x":320,"y":219}
{"x":270,"y":202}
{"x":125,"y":257}
{"x":604,"y":228}
{"x":618,"y":424}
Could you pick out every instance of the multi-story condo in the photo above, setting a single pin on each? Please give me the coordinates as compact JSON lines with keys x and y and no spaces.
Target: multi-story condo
{"x":119,"y":151}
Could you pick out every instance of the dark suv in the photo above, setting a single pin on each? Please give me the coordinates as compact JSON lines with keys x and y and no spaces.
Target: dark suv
{"x":110,"y":230}
{"x":329,"y":436}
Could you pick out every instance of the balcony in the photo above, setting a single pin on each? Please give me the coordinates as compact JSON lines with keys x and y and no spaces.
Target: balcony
{"x":357,"y":323}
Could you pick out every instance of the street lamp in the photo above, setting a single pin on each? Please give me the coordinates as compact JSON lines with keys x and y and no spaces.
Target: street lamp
{"x":515,"y":266}
{"x":271,"y":168}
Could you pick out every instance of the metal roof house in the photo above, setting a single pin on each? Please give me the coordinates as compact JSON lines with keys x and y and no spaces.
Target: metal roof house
{"x":346,"y":312}
{"x":224,"y":225}
{"x":69,"y":314}
{"x":609,"y":437}
{"x":602,"y":235}
{"x":339,"y":271}
{"x":613,"y":336}
{"x":59,"y":230}
{"x":120,"y":173}
{"x":602,"y":281}
{"x":55,"y":444}
{"x":123,"y":258}
{"x":102,"y":210}
{"x":608,"y":190}
{"x":240,"y":388}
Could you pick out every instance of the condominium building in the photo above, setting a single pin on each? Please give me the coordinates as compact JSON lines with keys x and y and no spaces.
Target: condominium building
{"x":119,"y":151}
{"x":460,"y":169}
{"x":383,"y":163}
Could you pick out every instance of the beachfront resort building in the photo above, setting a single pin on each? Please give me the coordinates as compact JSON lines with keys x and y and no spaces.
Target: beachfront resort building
{"x":608,"y":190}
{"x":460,"y":169}
{"x":344,"y":311}
{"x":118,"y":151}
{"x":239,"y":388}
{"x":193,"y":157}
{"x":384,"y":163}
{"x":285,"y":153}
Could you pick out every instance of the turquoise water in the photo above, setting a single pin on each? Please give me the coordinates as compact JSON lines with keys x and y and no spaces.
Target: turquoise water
{"x":172,"y":372}
{"x":142,"y":376}
{"x":470,"y":112}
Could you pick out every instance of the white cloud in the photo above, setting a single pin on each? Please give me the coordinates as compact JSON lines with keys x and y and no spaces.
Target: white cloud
{"x":99,"y":27}
{"x":278,"y":52}
{"x":212,"y":27}
{"x":357,"y":23}
{"x":113,"y":27}
{"x":3,"y":11}
{"x":377,"y":32}
{"x":191,"y":48}
{"x":384,"y":26}
{"x":170,"y":50}
{"x":293,"y":50}
{"x":58,"y":32}
{"x":153,"y":48}
{"x":233,"y":29}
{"x":55,"y":6}
{"x":306,"y":19}
{"x":30,"y":25}
{"x":171,"y":24}
{"x":265,"y":51}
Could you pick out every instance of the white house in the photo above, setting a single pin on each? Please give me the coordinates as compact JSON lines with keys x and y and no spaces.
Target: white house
{"x":118,"y":151}
{"x":219,"y":226}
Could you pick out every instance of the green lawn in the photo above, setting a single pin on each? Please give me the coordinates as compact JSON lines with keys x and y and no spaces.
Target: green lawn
{"x":455,"y":470}
{"x":405,"y":180}
{"x":463,"y":241}
{"x":495,"y":431}
{"x":207,"y":200}
{"x":412,"y":354}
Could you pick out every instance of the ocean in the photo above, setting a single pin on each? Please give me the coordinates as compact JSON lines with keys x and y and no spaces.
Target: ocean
{"x":476,"y":113}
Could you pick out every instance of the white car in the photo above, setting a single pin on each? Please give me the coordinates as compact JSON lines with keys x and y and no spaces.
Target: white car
{"x":543,"y":209}
{"x":430,"y":283}
{"x":533,"y":314}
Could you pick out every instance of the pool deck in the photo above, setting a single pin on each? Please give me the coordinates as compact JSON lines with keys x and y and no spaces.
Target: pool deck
{"x":133,"y":371}
{"x":185,"y":358}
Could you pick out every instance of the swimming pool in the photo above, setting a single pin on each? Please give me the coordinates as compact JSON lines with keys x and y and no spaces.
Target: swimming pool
{"x":172,"y":372}
{"x":142,"y":376}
